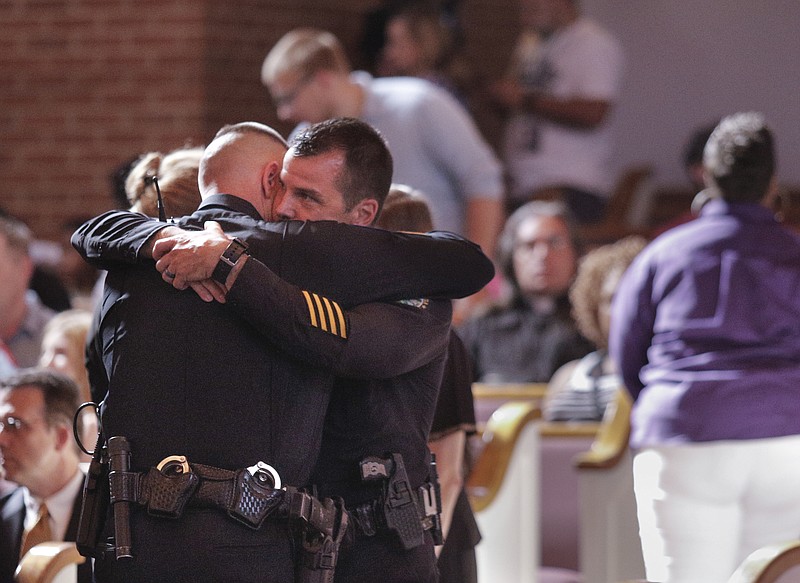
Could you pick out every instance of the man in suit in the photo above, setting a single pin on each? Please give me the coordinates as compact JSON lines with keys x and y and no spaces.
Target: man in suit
{"x":40,"y":454}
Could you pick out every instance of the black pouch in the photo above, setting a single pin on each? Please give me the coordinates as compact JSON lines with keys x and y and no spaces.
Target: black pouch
{"x":253,"y":500}
{"x":166,"y":496}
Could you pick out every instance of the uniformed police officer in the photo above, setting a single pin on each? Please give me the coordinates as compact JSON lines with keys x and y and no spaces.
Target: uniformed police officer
{"x":384,"y":400}
{"x":177,"y":369}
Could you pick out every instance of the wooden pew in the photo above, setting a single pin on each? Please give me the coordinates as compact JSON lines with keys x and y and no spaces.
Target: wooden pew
{"x":523,"y":488}
{"x":51,"y":562}
{"x":779,"y":563}
{"x":504,"y":492}
{"x":610,"y":549}
{"x":489,"y":396}
{"x":575,"y":490}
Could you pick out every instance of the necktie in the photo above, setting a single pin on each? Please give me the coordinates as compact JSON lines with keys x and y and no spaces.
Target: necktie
{"x":38,"y":533}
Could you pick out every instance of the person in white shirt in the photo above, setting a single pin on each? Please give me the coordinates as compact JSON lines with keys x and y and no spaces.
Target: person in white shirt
{"x":559,"y":93}
{"x":436,"y":146}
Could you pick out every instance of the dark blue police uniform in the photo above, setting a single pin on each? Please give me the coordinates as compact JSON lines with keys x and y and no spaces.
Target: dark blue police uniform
{"x":186,"y":377}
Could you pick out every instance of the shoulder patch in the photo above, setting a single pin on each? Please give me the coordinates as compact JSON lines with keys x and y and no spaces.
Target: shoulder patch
{"x":325,"y":314}
{"x":419,"y":303}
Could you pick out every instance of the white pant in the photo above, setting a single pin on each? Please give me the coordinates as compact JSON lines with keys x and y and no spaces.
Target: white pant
{"x":703,"y":507}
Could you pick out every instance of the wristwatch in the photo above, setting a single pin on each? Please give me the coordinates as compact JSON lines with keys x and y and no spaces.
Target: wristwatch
{"x":228,"y":260}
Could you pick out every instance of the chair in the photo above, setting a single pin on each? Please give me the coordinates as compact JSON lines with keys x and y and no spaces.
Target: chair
{"x":610,"y":549}
{"x":504,"y":491}
{"x":489,"y":396}
{"x":51,"y":562}
{"x":778,"y":563}
{"x":523,"y":489}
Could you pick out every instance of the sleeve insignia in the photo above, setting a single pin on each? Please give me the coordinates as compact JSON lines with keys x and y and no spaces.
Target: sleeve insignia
{"x":325,"y":314}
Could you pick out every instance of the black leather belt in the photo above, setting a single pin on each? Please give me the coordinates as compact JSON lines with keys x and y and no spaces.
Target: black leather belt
{"x":246,"y":496}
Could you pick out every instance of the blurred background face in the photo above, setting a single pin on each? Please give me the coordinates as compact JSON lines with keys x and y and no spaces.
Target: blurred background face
{"x":299,"y":98}
{"x":27,"y":451}
{"x":15,"y":273}
{"x":544,"y":258}
{"x":401,"y":53}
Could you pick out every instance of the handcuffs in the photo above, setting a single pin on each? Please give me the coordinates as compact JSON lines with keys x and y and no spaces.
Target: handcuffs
{"x":264,"y":474}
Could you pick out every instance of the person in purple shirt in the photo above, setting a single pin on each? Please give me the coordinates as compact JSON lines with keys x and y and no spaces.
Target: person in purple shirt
{"x":705,"y":329}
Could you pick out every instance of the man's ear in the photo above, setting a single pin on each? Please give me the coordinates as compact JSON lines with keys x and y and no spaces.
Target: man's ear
{"x":365,"y":212}
{"x":271,"y":177}
{"x":63,"y":436}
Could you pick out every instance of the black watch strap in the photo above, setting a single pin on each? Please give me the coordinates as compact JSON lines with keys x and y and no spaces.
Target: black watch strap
{"x":228,"y":259}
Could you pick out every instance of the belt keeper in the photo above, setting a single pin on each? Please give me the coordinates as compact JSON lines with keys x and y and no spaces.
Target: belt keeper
{"x":124,"y":486}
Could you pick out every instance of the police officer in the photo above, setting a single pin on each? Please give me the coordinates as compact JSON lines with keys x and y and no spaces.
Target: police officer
{"x":177,"y":370}
{"x":374,"y":449}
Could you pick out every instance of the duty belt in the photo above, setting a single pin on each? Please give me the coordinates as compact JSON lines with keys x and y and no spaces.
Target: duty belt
{"x":248,"y":495}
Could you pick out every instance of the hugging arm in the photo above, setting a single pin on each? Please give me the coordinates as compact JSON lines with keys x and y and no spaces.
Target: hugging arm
{"x":375,"y":340}
{"x":353,"y":264}
{"x":115,"y":237}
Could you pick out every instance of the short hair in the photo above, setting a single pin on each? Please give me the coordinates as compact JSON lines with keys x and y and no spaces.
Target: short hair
{"x":508,"y":237}
{"x":405,"y":209}
{"x":230,"y":153}
{"x":593,"y":268}
{"x":176,"y":173}
{"x":253,"y":127}
{"x":368,"y":163}
{"x":61,"y":394}
{"x":17,"y":234}
{"x":304,"y":51}
{"x":739,"y":157}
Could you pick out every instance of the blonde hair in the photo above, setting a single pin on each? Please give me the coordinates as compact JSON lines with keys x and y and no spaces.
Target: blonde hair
{"x":73,"y":325}
{"x":304,"y":51}
{"x":586,"y":291}
{"x":177,"y":178}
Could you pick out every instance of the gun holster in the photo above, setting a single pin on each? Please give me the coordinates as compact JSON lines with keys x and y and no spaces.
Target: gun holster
{"x":319,"y":527}
{"x":397,"y":510}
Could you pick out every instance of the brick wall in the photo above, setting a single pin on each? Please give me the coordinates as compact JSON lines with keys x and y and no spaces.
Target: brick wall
{"x":87,"y":84}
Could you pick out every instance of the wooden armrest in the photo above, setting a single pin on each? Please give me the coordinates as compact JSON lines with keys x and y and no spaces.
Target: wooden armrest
{"x":510,"y":391}
{"x":612,"y":439}
{"x":500,"y":436}
{"x":766,"y":564}
{"x":44,"y":561}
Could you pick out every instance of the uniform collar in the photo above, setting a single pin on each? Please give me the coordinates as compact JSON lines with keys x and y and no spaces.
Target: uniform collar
{"x":230,"y":202}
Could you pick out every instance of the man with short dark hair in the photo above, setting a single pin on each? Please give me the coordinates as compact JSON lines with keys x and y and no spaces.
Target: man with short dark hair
{"x":705,"y":330}
{"x":39,"y":453}
{"x":389,"y":369}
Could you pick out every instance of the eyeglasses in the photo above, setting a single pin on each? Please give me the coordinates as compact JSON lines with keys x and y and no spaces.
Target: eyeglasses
{"x":14,"y":424}
{"x":289,"y":96}
{"x":554,"y":243}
